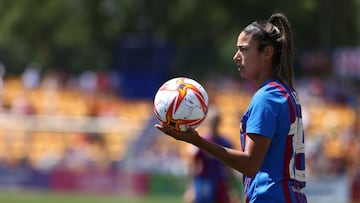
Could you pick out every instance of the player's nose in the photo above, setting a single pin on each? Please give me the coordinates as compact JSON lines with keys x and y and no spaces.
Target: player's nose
{"x":237,"y":56}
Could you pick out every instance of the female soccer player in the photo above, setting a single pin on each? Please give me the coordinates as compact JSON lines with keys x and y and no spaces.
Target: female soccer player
{"x":272,"y":158}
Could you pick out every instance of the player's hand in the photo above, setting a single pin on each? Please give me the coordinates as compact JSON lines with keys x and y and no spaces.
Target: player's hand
{"x":189,"y":195}
{"x":188,"y":136}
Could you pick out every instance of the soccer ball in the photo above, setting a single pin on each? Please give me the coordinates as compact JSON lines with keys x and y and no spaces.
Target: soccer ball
{"x":181,"y":102}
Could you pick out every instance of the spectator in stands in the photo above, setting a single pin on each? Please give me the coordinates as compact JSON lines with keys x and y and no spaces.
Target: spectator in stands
{"x":31,"y":76}
{"x":272,"y":136}
{"x":77,"y":156}
{"x":210,"y":180}
{"x":88,"y":81}
{"x":22,"y":105}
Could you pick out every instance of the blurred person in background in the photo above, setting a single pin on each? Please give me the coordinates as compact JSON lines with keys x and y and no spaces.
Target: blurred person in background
{"x":31,"y":76}
{"x":209,"y":180}
{"x":272,"y":159}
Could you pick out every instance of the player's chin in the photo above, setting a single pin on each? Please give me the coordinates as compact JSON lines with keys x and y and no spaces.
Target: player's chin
{"x":242,"y":74}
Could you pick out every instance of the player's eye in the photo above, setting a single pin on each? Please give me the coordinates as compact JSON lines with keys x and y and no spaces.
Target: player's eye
{"x":243,"y":49}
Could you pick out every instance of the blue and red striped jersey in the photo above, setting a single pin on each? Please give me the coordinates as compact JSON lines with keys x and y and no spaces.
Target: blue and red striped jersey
{"x":275,"y":112}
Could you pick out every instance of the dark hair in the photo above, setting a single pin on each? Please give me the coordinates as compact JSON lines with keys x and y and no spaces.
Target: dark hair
{"x":276,"y":31}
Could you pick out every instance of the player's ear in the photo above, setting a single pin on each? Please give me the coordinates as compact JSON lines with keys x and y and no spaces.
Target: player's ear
{"x":269,"y":51}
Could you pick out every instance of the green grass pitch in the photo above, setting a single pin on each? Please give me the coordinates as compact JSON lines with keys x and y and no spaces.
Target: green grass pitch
{"x":20,"y":196}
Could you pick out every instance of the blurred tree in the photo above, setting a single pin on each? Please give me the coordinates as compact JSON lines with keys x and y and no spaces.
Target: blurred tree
{"x":80,"y":34}
{"x":57,"y":34}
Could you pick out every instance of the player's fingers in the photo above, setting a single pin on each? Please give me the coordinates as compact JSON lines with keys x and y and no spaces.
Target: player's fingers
{"x":169,"y":130}
{"x":165,"y":129}
{"x":158,"y":126}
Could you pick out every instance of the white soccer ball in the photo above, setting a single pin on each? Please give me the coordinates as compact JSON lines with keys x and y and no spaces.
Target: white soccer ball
{"x":181,"y":102}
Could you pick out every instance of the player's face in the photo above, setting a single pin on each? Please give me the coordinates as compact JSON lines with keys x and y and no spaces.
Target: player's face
{"x":248,"y":59}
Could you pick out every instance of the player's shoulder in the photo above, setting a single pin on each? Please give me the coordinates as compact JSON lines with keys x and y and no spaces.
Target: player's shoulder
{"x":265,"y":92}
{"x":269,"y":94}
{"x":272,"y":87}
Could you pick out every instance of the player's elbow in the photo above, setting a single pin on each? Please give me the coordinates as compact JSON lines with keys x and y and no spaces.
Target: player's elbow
{"x":250,"y":173}
{"x":251,"y":168}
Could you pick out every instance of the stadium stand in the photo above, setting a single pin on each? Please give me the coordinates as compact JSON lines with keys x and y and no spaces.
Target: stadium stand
{"x":44,"y":123}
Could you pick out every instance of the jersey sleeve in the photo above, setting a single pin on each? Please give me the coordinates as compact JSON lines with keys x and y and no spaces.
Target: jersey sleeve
{"x":264,"y":110}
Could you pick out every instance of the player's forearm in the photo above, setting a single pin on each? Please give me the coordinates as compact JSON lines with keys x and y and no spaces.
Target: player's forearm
{"x":238,"y":160}
{"x":244,"y":162}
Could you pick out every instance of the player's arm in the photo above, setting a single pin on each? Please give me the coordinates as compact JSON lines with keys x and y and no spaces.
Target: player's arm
{"x":247,"y":162}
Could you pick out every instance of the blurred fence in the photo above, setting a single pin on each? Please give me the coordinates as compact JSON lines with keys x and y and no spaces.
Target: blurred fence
{"x":61,"y":152}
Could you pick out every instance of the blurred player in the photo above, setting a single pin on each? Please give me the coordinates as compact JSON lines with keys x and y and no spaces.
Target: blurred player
{"x":210,"y":181}
{"x":272,"y":158}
